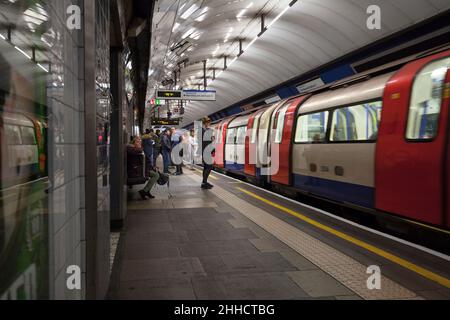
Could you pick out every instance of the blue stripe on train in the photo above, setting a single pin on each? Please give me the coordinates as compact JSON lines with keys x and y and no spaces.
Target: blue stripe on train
{"x":336,"y":190}
{"x":234,"y":166}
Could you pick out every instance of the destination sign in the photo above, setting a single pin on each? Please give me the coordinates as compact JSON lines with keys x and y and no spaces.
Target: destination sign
{"x":191,"y":95}
{"x":168,"y":94}
{"x":165,"y":122}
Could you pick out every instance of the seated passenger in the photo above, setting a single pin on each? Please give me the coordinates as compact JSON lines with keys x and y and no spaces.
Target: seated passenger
{"x":134,"y":167}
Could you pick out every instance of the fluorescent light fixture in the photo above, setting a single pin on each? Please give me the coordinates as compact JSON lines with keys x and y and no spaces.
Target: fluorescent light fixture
{"x":23,"y":52}
{"x":243,"y":11}
{"x":1,"y":36}
{"x":188,"y":33}
{"x":150,"y":72}
{"x":42,"y":67}
{"x":175,"y":26}
{"x":278,"y":17}
{"x":183,"y":5}
{"x":250,"y":44}
{"x":202,"y":15}
{"x":189,"y":11}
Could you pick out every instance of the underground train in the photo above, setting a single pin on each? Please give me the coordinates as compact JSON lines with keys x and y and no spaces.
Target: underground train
{"x":377,"y":141}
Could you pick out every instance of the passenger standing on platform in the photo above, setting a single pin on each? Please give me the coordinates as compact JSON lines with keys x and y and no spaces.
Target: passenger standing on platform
{"x":147,"y":143}
{"x":166,"y":148}
{"x":207,"y":152}
{"x":157,"y":146}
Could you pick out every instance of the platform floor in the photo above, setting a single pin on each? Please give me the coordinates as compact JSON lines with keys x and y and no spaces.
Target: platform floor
{"x":239,"y":242}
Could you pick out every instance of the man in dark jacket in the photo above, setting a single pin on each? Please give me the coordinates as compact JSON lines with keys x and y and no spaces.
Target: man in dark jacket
{"x":166,"y":148}
{"x":147,"y":144}
{"x":207,"y":152}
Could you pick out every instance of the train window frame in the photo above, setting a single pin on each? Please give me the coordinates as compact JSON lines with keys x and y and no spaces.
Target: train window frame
{"x":234,"y":136}
{"x":333,"y":111}
{"x":8,"y":142}
{"x":255,"y":128}
{"x":279,"y":127}
{"x":22,"y":136}
{"x":439,"y":119}
{"x":237,"y":140}
{"x":327,"y":127}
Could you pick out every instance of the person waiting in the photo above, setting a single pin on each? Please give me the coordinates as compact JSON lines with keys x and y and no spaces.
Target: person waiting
{"x":166,"y":148}
{"x":134,"y":156}
{"x":147,"y":143}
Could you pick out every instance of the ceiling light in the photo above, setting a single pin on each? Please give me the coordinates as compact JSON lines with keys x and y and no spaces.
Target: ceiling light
{"x":189,"y":12}
{"x":23,"y":52}
{"x":251,"y":43}
{"x":42,"y":67}
{"x":150,"y":72}
{"x":175,"y":26}
{"x":188,"y":33}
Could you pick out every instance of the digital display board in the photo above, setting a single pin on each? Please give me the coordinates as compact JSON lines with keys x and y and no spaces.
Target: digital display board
{"x":165,"y":122}
{"x":168,"y":94}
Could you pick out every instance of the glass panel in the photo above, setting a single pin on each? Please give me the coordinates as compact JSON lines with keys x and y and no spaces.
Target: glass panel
{"x":255,"y":129}
{"x":241,"y":132}
{"x":356,"y":123}
{"x":231,"y":135}
{"x":280,"y":125}
{"x":312,"y":127}
{"x":426,"y":99}
{"x":28,"y":135}
{"x":12,"y":134}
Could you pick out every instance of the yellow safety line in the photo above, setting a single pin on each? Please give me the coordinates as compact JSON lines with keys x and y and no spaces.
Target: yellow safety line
{"x":426,"y":226}
{"x":211,"y":176}
{"x":389,"y":256}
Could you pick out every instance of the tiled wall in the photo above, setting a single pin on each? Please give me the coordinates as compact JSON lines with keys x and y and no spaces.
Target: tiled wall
{"x":66,"y":153}
{"x":63,"y":96}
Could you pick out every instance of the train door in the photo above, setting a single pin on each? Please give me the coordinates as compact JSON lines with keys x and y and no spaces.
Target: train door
{"x":230,"y":148}
{"x":250,"y":144}
{"x":263,"y":142}
{"x":410,"y":170}
{"x":241,"y":133}
{"x":220,"y":144}
{"x":446,"y":104}
{"x":281,"y":141}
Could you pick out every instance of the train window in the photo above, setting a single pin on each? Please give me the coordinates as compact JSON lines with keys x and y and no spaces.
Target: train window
{"x":426,"y":99}
{"x":280,"y":125}
{"x":240,"y":135}
{"x":255,"y":128}
{"x":28,"y":137}
{"x":356,"y":123}
{"x":12,"y":134}
{"x":312,"y":127}
{"x":231,"y":135}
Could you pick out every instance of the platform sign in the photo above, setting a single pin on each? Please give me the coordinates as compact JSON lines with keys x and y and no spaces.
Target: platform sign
{"x":191,"y":95}
{"x":165,"y":122}
{"x":169,"y":94}
{"x":199,"y":95}
{"x":310,"y":85}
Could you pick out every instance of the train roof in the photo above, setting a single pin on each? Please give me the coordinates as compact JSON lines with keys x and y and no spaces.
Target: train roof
{"x":362,"y":91}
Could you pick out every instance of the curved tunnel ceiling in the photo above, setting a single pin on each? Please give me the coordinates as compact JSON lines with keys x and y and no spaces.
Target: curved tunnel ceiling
{"x":308,"y":35}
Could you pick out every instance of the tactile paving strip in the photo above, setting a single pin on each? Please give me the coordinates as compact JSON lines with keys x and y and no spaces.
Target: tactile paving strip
{"x":343,"y":268}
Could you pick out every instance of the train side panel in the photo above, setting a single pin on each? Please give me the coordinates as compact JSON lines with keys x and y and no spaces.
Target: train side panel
{"x":412,"y":142}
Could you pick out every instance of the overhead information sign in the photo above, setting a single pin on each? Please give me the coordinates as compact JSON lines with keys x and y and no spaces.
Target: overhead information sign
{"x":168,"y":94}
{"x":165,"y":122}
{"x":192,"y":95}
{"x":198,"y":95}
